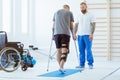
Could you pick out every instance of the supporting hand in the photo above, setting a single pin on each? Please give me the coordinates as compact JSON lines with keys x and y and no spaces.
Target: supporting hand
{"x":74,"y":36}
{"x":52,"y":37}
{"x":91,"y":37}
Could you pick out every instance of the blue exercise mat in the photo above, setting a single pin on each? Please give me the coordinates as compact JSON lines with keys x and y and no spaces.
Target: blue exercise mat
{"x":59,"y":74}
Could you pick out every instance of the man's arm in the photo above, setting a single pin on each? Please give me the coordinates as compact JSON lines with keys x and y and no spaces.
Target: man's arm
{"x":71,"y":26}
{"x":75,"y":28}
{"x":53,"y":30}
{"x":53,"y":24}
{"x":75,"y":31}
{"x":93,"y":27}
{"x":92,"y":30}
{"x":53,"y":27}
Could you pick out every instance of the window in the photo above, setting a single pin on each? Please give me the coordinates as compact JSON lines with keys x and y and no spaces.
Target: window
{"x":6,"y":11}
{"x":24,"y":16}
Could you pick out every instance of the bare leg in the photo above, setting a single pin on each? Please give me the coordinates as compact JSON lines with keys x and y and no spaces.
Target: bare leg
{"x":58,"y":55}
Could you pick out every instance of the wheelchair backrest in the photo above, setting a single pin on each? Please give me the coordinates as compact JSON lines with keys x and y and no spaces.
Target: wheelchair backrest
{"x":3,"y":39}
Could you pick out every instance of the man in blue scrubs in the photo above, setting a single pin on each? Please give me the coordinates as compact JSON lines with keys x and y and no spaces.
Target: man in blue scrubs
{"x":85,"y":27}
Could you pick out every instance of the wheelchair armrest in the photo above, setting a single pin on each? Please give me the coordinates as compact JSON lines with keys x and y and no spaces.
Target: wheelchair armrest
{"x":10,"y":44}
{"x":13,"y":42}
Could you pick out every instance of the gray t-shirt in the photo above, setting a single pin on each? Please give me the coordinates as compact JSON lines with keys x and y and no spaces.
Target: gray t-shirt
{"x":62,"y":19}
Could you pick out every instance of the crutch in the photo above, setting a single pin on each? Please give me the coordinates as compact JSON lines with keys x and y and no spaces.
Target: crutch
{"x":49,"y":57}
{"x":76,"y":52}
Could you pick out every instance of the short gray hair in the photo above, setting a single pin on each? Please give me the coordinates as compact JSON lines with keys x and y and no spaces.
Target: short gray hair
{"x":66,"y":6}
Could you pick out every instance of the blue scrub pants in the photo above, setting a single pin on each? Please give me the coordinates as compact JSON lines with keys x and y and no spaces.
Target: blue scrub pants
{"x":85,"y":45}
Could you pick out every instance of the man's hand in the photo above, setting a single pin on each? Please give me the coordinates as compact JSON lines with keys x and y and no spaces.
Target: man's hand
{"x":74,"y":37}
{"x":52,"y":37}
{"x":91,"y":37}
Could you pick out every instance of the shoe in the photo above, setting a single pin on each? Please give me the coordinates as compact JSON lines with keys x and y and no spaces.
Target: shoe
{"x":80,"y":67}
{"x":62,"y":71}
{"x":90,"y":67}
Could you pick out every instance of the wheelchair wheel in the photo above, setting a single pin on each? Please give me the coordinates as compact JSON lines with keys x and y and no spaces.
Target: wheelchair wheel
{"x":24,"y":67}
{"x":10,"y":59}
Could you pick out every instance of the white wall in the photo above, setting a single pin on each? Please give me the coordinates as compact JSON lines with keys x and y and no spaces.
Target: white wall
{"x":16,"y":34}
{"x":15,"y":20}
{"x":0,"y":14}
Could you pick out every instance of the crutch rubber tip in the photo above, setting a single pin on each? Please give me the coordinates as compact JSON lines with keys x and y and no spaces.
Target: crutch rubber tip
{"x":31,"y":46}
{"x":35,"y":48}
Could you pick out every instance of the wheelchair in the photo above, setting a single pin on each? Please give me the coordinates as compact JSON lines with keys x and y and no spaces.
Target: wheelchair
{"x":10,"y":53}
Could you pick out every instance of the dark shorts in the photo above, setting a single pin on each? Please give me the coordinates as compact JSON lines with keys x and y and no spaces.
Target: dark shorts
{"x":61,"y":39}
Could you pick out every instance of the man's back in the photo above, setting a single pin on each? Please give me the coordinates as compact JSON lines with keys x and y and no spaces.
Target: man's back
{"x":62,"y":19}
